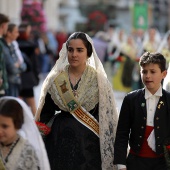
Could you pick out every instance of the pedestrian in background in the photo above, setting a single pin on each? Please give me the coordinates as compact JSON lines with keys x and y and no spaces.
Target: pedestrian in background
{"x":21,"y":146}
{"x":13,"y":65}
{"x":4,"y":20}
{"x":144,"y":120}
{"x":83,"y":132}
{"x":29,"y":78}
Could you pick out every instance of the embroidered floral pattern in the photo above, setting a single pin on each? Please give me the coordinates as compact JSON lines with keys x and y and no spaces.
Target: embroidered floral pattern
{"x":87,"y":98}
{"x":23,"y":157}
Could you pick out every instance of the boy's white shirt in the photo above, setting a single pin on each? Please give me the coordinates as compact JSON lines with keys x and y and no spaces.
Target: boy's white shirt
{"x":151,"y":103}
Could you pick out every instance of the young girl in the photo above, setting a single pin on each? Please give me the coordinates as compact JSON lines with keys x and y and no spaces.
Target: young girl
{"x":16,"y":126}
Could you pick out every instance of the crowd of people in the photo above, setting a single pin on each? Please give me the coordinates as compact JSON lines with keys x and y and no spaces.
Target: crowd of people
{"x":120,"y":52}
{"x":76,"y":125}
{"x":29,"y":55}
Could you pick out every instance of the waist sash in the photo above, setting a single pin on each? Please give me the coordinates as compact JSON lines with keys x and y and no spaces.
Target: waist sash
{"x":73,"y":106}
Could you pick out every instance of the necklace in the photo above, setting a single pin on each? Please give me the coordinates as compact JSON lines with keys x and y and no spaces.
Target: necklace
{"x":74,"y":81}
{"x":74,"y":78}
{"x":74,"y":88}
{"x":5,"y":159}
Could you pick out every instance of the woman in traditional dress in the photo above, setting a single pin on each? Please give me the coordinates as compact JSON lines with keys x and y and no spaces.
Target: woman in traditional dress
{"x":151,"y":40}
{"x":164,"y":48}
{"x":21,"y":146}
{"x":78,"y":91}
{"x":125,"y":61}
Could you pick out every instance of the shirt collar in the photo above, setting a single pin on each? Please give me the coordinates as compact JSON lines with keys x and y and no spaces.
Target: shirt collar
{"x":148,"y":94}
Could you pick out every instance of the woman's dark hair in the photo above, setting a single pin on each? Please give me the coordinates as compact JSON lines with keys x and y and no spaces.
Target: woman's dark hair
{"x":3,"y":19}
{"x":11,"y":27}
{"x":155,"y":58}
{"x":82,"y":36}
{"x":11,"y":108}
{"x":23,"y":31}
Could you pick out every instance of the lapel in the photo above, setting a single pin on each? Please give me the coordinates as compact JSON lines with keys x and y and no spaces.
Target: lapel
{"x":142,"y":102}
{"x":161,"y":106}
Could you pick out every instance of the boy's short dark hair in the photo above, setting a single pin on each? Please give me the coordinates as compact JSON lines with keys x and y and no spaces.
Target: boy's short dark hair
{"x":3,"y":19}
{"x":12,"y":109}
{"x":155,"y":58}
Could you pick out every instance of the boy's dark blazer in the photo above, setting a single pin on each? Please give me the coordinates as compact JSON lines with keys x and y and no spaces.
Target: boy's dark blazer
{"x":132,"y":124}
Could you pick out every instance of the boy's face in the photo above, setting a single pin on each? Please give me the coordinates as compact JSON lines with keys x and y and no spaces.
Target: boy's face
{"x":152,"y":76}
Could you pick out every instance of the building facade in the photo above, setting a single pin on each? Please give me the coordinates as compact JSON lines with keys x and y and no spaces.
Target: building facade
{"x":65,"y":14}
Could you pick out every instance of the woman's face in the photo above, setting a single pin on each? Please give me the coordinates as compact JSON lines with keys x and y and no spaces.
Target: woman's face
{"x":77,"y":53}
{"x":8,"y":132}
{"x":14,"y":34}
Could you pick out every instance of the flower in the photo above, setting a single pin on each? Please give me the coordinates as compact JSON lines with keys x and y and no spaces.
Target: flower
{"x":160,"y":103}
{"x":43,"y":128}
{"x":33,"y":12}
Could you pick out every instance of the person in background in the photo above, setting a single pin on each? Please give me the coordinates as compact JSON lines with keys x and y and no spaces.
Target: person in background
{"x":151,"y":40}
{"x":61,"y":38}
{"x":52,"y":43}
{"x":21,"y":146}
{"x":4,"y":20}
{"x":100,"y":41}
{"x":77,"y":89}
{"x":144,"y":120}
{"x":164,"y":48}
{"x":29,"y":78}
{"x":13,"y":65}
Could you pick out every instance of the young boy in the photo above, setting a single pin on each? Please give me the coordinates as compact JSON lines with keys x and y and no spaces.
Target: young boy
{"x":144,"y":120}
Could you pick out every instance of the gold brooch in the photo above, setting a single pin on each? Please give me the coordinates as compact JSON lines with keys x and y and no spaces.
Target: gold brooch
{"x":160,"y":103}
